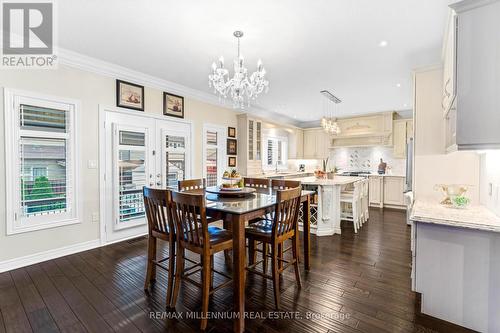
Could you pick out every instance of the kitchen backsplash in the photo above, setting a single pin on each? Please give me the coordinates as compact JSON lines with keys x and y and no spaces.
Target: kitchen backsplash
{"x":366,"y":159}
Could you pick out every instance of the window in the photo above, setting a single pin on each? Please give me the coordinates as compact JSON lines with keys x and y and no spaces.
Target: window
{"x":276,"y":149}
{"x":214,"y":154}
{"x":41,"y":150}
{"x":175,"y":158}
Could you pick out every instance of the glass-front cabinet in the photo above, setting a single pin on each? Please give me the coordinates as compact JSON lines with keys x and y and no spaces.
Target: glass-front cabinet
{"x":250,"y":145}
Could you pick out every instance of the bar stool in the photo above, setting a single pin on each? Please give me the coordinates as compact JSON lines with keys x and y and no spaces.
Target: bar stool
{"x":160,"y":226}
{"x":354,"y":202}
{"x":194,"y":234}
{"x":283,"y":227}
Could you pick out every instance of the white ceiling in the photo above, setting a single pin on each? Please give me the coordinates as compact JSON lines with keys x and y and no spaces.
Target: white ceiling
{"x":306,"y":46}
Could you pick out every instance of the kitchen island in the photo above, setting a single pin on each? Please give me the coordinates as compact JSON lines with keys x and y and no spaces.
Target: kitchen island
{"x":456,"y":264}
{"x":325,"y":211}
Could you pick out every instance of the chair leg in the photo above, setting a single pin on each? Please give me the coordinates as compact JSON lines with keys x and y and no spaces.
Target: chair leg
{"x":205,"y":290}
{"x":179,"y":271}
{"x":295,"y":252}
{"x":171,"y":271}
{"x":265,"y":253}
{"x":151,"y":268}
{"x":211,"y":272}
{"x":280,"y":255}
{"x":251,"y":251}
{"x":275,"y":274}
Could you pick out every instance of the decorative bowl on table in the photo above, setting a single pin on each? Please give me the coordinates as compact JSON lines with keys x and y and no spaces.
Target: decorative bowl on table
{"x":319,"y":174}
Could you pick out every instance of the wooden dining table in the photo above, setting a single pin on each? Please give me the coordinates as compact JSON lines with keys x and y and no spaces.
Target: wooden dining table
{"x":236,"y":212}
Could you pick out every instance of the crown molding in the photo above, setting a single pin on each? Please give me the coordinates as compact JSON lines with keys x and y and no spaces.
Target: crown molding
{"x":101,"y":67}
{"x":465,"y":5}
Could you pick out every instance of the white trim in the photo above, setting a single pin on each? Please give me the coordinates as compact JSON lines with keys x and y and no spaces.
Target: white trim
{"x":35,"y":258}
{"x":85,"y":63}
{"x":466,"y":5}
{"x":11,"y":131}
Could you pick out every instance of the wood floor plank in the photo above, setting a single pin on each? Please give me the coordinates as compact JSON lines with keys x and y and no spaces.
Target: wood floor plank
{"x":89,"y":317}
{"x":58,"y":307}
{"x":14,"y":316}
{"x":36,"y":310}
{"x":358,"y":283}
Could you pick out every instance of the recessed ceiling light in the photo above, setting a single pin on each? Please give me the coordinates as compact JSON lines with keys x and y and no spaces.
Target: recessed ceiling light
{"x":383,"y":43}
{"x":398,"y":85}
{"x":405,"y":105}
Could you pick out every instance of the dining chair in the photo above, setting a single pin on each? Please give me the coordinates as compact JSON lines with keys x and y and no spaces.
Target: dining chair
{"x":191,"y":184}
{"x":283,"y":227}
{"x":160,"y":226}
{"x":257,"y":182}
{"x":194,"y":234}
{"x":282,"y":184}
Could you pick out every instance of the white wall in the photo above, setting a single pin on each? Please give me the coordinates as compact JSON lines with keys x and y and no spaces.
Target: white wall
{"x":490,"y":180}
{"x":92,"y":90}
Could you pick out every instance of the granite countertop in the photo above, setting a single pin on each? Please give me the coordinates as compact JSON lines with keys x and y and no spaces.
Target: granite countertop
{"x":386,"y":175}
{"x":473,"y":217}
{"x":337,"y":180}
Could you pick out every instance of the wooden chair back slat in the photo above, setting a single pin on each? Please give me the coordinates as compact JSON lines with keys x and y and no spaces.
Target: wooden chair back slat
{"x":281,"y":184}
{"x":191,"y":184}
{"x":156,"y":202}
{"x":256,"y":182}
{"x":189,"y":214}
{"x":287,"y":211}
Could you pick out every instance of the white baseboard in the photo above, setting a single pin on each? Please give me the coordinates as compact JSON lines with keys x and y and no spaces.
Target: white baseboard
{"x":31,"y":259}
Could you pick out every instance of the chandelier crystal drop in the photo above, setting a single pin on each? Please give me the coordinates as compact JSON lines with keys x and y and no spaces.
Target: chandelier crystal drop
{"x":329,"y":122}
{"x":242,"y":87}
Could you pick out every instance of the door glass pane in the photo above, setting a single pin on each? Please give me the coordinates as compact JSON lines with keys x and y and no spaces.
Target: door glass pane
{"x":258,"y":138}
{"x":175,"y":159}
{"x":211,"y":138}
{"x":132,"y":176}
{"x":269,"y":152}
{"x":250,"y":139}
{"x":211,"y":164}
{"x":43,"y":176}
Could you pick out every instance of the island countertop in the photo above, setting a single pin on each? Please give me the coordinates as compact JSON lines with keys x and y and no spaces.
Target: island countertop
{"x":473,"y":217}
{"x":337,"y":180}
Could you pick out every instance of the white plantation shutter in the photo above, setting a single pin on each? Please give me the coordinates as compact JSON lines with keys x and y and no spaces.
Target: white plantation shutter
{"x":43,"y":176}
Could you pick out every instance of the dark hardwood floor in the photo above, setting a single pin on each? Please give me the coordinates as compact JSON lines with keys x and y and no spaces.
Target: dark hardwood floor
{"x":358,"y":283}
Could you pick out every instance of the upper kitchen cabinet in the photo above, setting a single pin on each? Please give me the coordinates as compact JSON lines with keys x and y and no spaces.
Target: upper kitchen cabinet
{"x":316,"y":144}
{"x":402,"y":134}
{"x":249,"y":145}
{"x":372,"y":130}
{"x":473,"y":120}
{"x":296,"y":144}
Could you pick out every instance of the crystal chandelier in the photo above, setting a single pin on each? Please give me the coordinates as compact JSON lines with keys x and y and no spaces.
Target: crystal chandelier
{"x":329,"y":122}
{"x":241,"y":87}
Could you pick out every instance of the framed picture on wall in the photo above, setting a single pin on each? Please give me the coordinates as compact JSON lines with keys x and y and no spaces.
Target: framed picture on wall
{"x":173,"y":105}
{"x":231,"y":132}
{"x":231,"y":162}
{"x":232,"y":147}
{"x":129,"y":95}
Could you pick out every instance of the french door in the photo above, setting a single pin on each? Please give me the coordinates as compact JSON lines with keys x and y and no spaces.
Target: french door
{"x":139,"y":151}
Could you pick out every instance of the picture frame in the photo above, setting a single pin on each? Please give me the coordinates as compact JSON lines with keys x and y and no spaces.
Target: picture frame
{"x":129,"y":95}
{"x":173,"y":105}
{"x":231,"y":132}
{"x":232,"y":147}
{"x":231,"y":162}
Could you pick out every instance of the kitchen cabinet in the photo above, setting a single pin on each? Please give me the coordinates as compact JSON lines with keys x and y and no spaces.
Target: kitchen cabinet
{"x":474,"y":123}
{"x":387,"y":191}
{"x":316,"y":144}
{"x":375,"y":189}
{"x":296,"y":144}
{"x":449,"y":64}
{"x":402,"y":133}
{"x":249,"y":135}
{"x":394,"y":191}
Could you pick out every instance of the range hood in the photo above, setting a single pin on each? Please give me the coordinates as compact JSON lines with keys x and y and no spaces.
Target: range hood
{"x":365,"y":131}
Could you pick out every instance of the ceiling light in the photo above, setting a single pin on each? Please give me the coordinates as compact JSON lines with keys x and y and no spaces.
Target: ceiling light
{"x":383,"y":43}
{"x":242,"y":87}
{"x":329,"y":122}
{"x":398,"y":85}
{"x":405,"y":105}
